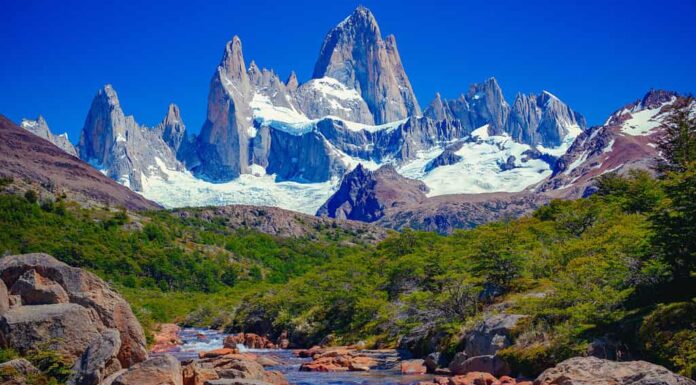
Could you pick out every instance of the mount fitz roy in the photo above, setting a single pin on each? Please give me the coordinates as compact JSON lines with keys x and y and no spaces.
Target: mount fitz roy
{"x":297,"y":145}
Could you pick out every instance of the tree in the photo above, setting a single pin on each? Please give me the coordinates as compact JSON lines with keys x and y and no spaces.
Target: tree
{"x":677,"y":144}
{"x":674,"y":222}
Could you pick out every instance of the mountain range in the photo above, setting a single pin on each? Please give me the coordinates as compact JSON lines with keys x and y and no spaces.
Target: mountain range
{"x":353,"y":142}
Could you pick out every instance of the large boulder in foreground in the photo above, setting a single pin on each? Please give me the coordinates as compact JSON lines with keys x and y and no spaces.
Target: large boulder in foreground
{"x":99,"y":360}
{"x":66,"y":327}
{"x":42,"y":283}
{"x":596,"y":371}
{"x":162,"y":370}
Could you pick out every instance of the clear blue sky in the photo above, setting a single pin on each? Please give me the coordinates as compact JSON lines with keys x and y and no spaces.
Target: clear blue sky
{"x":595,"y":55}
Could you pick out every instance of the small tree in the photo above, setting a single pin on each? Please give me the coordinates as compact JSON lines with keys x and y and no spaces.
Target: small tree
{"x":677,"y":144}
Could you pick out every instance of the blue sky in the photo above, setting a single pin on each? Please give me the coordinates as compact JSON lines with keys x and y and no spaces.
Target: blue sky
{"x":595,"y":55}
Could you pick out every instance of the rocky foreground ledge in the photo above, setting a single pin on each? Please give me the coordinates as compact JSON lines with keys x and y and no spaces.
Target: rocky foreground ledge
{"x":48,"y":306}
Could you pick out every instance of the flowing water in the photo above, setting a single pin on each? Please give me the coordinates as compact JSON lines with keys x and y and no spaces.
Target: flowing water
{"x":196,"y":340}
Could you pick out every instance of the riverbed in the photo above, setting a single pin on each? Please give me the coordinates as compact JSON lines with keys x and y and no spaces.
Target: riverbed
{"x":196,"y":340}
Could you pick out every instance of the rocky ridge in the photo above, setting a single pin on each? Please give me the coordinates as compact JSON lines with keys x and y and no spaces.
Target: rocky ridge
{"x":39,"y":127}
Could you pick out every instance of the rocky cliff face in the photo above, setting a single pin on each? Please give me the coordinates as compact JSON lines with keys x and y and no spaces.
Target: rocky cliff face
{"x":355,"y":54}
{"x":39,"y":127}
{"x":533,"y":119}
{"x":542,"y":120}
{"x":221,"y":147}
{"x":124,"y":150}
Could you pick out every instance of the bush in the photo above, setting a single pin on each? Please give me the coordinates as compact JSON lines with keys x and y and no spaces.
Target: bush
{"x":668,"y":336}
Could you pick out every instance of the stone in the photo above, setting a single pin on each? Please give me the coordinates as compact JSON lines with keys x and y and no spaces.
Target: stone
{"x":166,"y":338}
{"x":66,"y":327}
{"x":104,"y":308}
{"x":161,"y":370}
{"x":98,"y":361}
{"x":195,"y":374}
{"x":20,"y":366}
{"x":217,"y":353}
{"x":597,"y":371}
{"x":413,"y":367}
{"x":491,"y":334}
{"x":4,"y":298}
{"x":433,"y":361}
{"x":34,"y":289}
{"x":473,"y":378}
{"x":487,"y":364}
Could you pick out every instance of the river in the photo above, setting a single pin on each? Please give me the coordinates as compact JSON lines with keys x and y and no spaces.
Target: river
{"x":196,"y":340}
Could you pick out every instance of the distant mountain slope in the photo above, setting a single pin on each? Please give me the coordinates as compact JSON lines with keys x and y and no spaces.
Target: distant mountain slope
{"x":627,"y":140}
{"x":32,"y":160}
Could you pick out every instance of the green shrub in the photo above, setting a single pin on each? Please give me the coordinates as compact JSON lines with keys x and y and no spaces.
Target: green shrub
{"x":668,"y":335}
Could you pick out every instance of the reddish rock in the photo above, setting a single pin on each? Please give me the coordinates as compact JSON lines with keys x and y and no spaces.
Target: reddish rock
{"x":217,"y":353}
{"x":195,"y":374}
{"x":473,"y":378}
{"x":166,"y":338}
{"x":250,"y":340}
{"x":413,"y":367}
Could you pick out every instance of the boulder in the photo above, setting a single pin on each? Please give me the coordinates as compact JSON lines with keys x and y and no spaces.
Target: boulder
{"x":433,"y":361}
{"x":19,"y":366}
{"x":98,"y":361}
{"x":236,"y":381}
{"x":195,"y":374}
{"x":413,"y":367}
{"x":249,"y":340}
{"x":217,"y":353}
{"x":166,"y":338}
{"x":161,"y":370}
{"x":473,"y":378}
{"x":597,"y":371}
{"x":66,"y":327}
{"x":87,"y":290}
{"x":236,"y":366}
{"x":4,"y":298}
{"x":487,"y":364}
{"x":34,"y":289}
{"x":491,"y":334}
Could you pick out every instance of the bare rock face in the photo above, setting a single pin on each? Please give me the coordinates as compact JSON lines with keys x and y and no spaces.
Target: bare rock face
{"x":39,"y":127}
{"x":92,"y":309}
{"x":364,"y":195}
{"x":161,"y":370}
{"x":33,"y":289}
{"x":542,"y":119}
{"x":124,"y":150}
{"x":98,"y":361}
{"x":222,"y":146}
{"x":65,"y":327}
{"x":491,"y":334}
{"x":596,"y":371}
{"x":355,"y":54}
{"x":533,"y":119}
{"x":4,"y":298}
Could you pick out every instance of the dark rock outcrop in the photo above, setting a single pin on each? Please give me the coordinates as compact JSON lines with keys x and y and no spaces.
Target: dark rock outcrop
{"x":365,"y":195}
